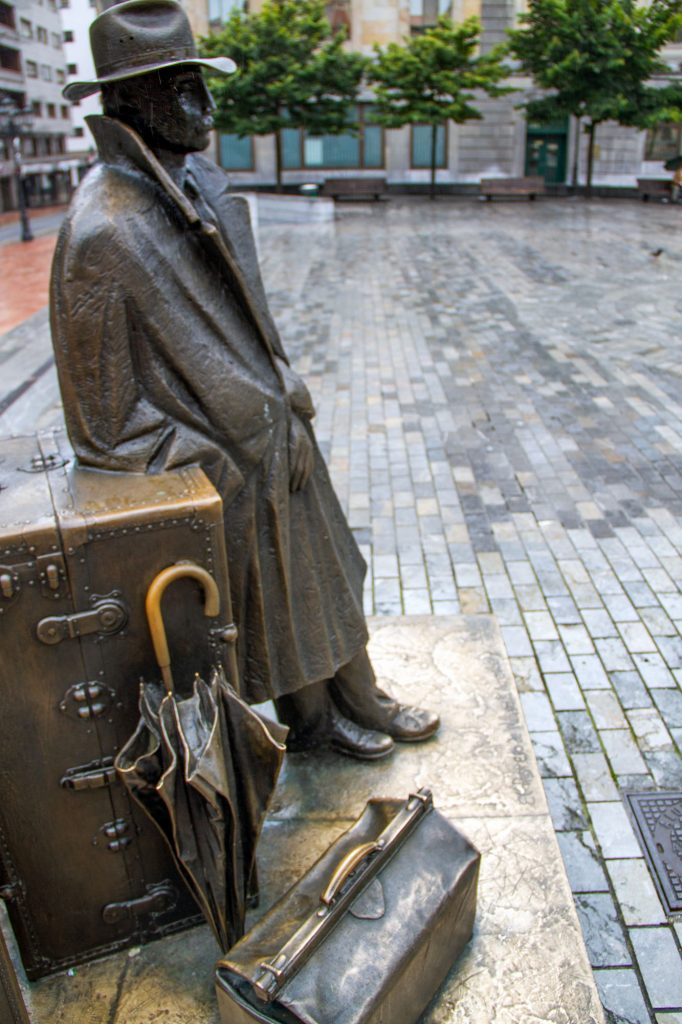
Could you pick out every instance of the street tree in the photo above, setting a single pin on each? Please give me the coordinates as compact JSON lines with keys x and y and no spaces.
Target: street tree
{"x":434,"y":78}
{"x":293,"y":72}
{"x":598,"y":60}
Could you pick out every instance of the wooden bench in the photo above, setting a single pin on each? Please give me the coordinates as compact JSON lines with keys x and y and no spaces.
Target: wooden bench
{"x":654,"y":188}
{"x":354,"y":188}
{"x":530,"y":187}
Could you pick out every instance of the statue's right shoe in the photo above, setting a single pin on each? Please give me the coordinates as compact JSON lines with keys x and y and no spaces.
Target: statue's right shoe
{"x":348,"y":738}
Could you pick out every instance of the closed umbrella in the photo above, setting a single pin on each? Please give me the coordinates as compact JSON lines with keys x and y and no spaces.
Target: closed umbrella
{"x":204,"y":769}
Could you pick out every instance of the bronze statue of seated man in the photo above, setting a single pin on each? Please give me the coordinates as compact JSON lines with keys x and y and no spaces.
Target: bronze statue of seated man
{"x":167,"y":355}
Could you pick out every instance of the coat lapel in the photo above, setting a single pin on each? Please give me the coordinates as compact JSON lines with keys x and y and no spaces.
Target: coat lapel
{"x":118,"y":143}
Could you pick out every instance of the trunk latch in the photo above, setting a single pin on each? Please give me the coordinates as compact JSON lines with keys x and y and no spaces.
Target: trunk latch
{"x":95,"y":775}
{"x":159,"y":898}
{"x":106,"y":617}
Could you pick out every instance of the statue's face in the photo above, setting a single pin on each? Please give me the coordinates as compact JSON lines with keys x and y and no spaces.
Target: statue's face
{"x":171,"y":109}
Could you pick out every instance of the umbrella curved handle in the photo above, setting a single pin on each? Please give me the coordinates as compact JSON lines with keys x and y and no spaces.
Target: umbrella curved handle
{"x":153,"y":608}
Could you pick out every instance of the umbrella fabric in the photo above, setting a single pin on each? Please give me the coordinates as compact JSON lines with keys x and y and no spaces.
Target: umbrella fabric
{"x":204,"y":769}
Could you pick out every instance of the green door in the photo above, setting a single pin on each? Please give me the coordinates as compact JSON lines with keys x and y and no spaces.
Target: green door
{"x":546,"y":147}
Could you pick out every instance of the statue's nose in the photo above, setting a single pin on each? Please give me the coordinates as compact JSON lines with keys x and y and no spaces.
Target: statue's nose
{"x":209,"y":102}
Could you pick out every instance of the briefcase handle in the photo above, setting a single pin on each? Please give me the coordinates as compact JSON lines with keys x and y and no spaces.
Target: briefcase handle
{"x":346,"y":868}
{"x":152,"y":606}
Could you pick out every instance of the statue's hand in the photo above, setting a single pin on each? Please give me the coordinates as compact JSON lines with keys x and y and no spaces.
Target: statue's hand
{"x":301,"y":455}
{"x":299,"y":397}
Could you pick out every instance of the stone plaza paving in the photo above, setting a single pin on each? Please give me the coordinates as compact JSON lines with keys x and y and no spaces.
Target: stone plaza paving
{"x":499,"y":394}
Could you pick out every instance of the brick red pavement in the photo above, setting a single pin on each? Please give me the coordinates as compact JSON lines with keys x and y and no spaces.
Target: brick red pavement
{"x":24,"y":279}
{"x":12,"y":216}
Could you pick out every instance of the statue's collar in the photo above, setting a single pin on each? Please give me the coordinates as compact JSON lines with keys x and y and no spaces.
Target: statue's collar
{"x":117,"y":143}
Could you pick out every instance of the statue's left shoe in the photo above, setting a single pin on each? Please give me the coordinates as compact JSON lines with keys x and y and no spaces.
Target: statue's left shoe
{"x":402,"y":722}
{"x":355,"y":693}
{"x":411,"y":724}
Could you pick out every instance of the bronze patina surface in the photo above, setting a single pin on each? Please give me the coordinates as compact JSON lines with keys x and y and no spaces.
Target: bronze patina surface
{"x":83,"y":871}
{"x":526,"y":960}
{"x":167,"y":356}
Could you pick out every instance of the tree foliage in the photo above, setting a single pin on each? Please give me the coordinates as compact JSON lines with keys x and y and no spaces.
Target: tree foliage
{"x":293,"y":72}
{"x":597,"y":59}
{"x":434,"y":77}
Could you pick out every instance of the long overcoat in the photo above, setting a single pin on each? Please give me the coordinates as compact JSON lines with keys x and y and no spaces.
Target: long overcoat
{"x":166,"y":351}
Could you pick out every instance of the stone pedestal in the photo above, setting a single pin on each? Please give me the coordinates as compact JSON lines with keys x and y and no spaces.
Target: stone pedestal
{"x":526,"y":960}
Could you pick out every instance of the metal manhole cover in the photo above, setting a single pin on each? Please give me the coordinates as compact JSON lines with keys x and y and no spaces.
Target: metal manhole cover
{"x":658,"y":821}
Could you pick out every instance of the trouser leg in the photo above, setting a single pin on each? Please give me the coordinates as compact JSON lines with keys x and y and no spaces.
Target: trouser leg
{"x":307,"y":712}
{"x":315,"y":721}
{"x":351,"y":714}
{"x":356,"y":694}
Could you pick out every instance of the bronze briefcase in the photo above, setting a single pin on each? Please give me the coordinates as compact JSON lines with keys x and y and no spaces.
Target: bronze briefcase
{"x":368,"y":934}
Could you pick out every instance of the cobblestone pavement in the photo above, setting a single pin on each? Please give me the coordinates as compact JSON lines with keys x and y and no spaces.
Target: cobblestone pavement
{"x":499,"y":396}
{"x":499,"y":392}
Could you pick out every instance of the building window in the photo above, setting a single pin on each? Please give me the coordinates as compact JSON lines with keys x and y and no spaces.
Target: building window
{"x":65,"y":111}
{"x":41,"y":34}
{"x":56,"y":40}
{"x":420,"y":146}
{"x":31,"y":69}
{"x":65,"y":3}
{"x":236,"y":154}
{"x":46,"y":72}
{"x":26,"y":28}
{"x":68,"y":36}
{"x":37,"y":108}
{"x":72,"y":69}
{"x":219,"y":10}
{"x":52,"y":4}
{"x":7,"y":16}
{"x":78,"y":132}
{"x":663,"y":141}
{"x":61,"y":77}
{"x":28,"y":146}
{"x":51,"y":110}
{"x":425,"y":13}
{"x":58,"y":145}
{"x":364,"y":150}
{"x":10,"y":59}
{"x":339,"y":15}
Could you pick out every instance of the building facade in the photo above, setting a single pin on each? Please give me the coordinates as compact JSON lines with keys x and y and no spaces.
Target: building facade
{"x":45,"y":43}
{"x":33,"y":71}
{"x":76,"y":17}
{"x":502,"y":144}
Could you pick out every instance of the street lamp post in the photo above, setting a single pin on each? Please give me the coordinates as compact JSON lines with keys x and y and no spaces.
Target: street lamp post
{"x":12,"y":125}
{"x":26,"y":233}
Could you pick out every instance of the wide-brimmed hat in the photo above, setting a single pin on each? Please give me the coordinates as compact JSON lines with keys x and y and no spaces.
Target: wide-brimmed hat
{"x":138,"y":36}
